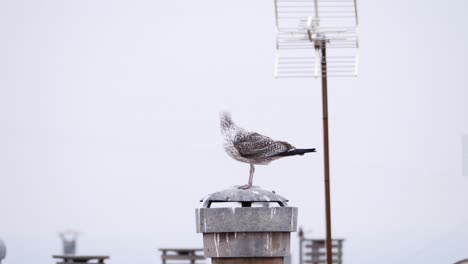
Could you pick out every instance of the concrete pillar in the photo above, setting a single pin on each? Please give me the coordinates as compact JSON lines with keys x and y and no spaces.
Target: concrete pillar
{"x":2,"y":250}
{"x":250,"y":226}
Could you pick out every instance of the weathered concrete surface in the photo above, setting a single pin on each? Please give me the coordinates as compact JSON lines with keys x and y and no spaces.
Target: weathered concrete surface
{"x":247,"y":261}
{"x":254,"y":194}
{"x":249,"y":234}
{"x":264,"y":244}
{"x":246,"y":219}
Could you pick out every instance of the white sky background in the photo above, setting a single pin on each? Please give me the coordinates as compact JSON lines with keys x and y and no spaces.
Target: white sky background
{"x":109,"y":124}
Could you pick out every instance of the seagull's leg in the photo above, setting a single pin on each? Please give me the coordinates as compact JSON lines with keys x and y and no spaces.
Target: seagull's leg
{"x":247,"y":186}
{"x":252,"y":170}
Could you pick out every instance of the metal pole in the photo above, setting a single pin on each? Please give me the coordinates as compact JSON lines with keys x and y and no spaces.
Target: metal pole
{"x":326,"y":152}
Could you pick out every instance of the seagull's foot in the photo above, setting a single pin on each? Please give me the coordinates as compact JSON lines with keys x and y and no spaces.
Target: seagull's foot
{"x":245,"y":187}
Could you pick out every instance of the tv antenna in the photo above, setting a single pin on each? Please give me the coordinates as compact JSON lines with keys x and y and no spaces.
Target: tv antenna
{"x":318,"y":38}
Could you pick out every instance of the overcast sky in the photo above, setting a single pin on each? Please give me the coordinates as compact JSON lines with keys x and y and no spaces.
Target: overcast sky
{"x":109,"y":125}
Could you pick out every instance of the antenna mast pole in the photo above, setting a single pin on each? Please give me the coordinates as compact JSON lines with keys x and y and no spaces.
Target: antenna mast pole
{"x":335,"y":28}
{"x":322,"y":46}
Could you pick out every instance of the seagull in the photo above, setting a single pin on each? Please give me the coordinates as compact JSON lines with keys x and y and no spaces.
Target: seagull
{"x":253,"y":148}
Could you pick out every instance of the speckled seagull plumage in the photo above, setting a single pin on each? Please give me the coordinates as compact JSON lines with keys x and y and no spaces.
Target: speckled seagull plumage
{"x":253,"y":148}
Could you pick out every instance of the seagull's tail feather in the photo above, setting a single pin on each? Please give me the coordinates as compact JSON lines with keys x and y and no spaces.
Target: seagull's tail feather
{"x":295,"y":152}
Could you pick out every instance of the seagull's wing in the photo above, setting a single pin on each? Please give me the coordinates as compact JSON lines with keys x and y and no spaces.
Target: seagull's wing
{"x":255,"y":146}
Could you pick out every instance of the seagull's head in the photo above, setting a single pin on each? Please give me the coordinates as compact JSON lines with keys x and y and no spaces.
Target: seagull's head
{"x":226,"y":121}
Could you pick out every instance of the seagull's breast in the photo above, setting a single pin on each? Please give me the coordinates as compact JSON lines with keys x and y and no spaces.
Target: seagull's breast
{"x":233,"y":152}
{"x":229,"y":147}
{"x":235,"y":134}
